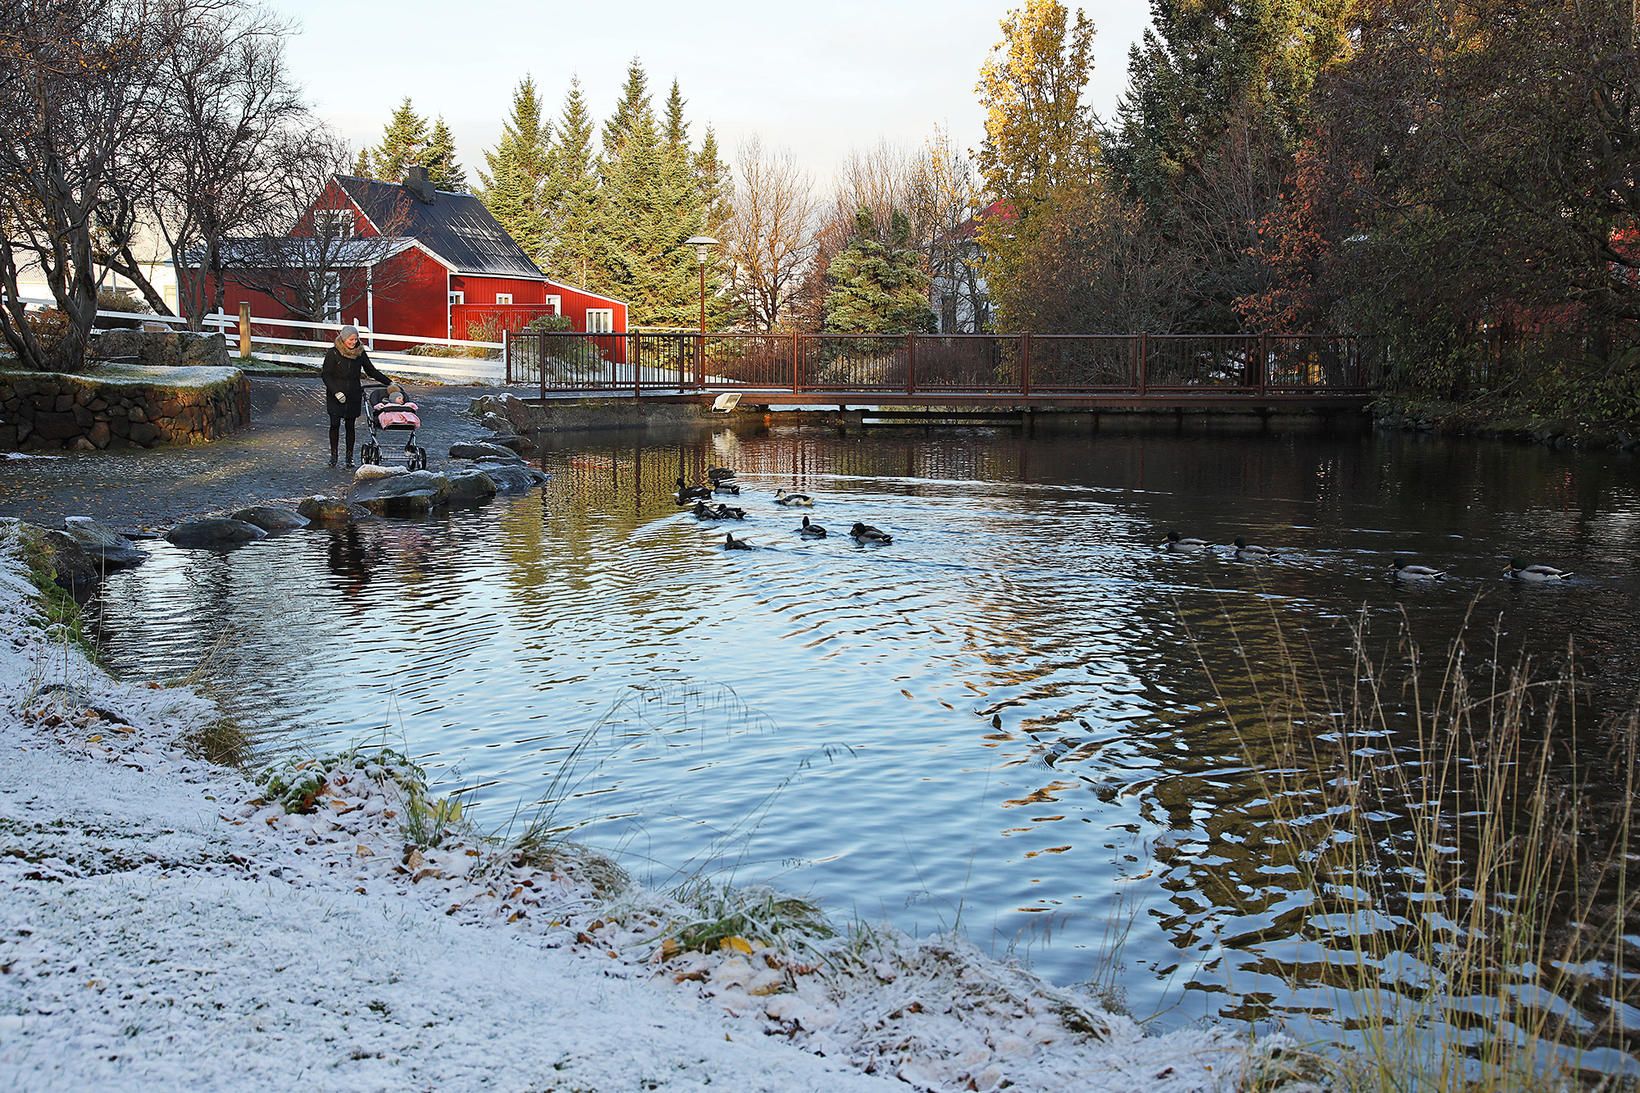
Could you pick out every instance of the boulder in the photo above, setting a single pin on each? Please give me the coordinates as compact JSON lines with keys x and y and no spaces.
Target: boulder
{"x":71,"y":567}
{"x":99,"y":542}
{"x":470,"y":487}
{"x":161,"y":347}
{"x":480,"y":450}
{"x":214,"y":533}
{"x":369,"y":471}
{"x":511,"y":441}
{"x":514,"y":477}
{"x":330,"y":510}
{"x":272,"y":518}
{"x":409,"y":494}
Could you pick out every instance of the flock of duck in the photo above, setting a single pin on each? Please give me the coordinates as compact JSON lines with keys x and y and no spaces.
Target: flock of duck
{"x":722,"y":481}
{"x":1403,"y":570}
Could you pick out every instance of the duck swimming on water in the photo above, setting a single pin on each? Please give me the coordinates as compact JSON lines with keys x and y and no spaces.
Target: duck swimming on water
{"x":811,"y":531}
{"x":731,"y":543}
{"x":689,"y":494}
{"x":865,"y":533}
{"x":781,"y":497}
{"x":1520,"y":571}
{"x":1180,"y":545}
{"x":1244,"y":549}
{"x":1406,"y":571}
{"x":715,"y":475}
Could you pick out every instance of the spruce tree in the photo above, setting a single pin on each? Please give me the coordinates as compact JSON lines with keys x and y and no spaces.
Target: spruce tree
{"x":404,"y":143}
{"x":361,"y":164}
{"x":877,"y":288}
{"x":515,"y":188}
{"x":717,"y":186}
{"x":440,"y":160}
{"x":571,"y":198}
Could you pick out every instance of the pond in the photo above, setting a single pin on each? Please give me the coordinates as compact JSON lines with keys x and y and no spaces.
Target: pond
{"x":1019,"y":717}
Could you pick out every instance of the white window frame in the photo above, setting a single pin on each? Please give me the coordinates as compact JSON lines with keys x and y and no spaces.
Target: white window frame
{"x":333,"y":297}
{"x":458,"y":296}
{"x":503,"y":297}
{"x":556,"y":303}
{"x":600,"y":320}
{"x":333,"y":223}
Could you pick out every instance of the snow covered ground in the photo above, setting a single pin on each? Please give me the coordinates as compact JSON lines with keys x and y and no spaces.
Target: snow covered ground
{"x":162,"y":924}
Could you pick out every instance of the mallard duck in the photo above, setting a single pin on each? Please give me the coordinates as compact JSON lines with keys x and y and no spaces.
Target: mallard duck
{"x":1520,"y":571}
{"x":729,"y":512}
{"x":731,"y":543}
{"x":726,"y":486}
{"x":688,"y":494}
{"x":1180,"y":545}
{"x":714,"y":475}
{"x":1406,"y":571}
{"x":811,"y":531}
{"x":781,"y":497}
{"x":1244,"y":549}
{"x":865,"y":533}
{"x":703,"y":511}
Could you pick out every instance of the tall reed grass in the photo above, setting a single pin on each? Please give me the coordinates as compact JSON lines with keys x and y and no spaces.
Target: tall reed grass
{"x":1460,"y":838}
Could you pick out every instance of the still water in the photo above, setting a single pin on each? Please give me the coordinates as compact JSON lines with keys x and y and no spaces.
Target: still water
{"x":1016,"y":718}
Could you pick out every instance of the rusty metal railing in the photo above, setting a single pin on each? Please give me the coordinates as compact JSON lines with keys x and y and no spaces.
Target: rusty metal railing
{"x":1009,"y":366}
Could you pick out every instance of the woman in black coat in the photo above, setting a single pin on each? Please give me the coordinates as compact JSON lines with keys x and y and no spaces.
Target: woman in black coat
{"x":344,"y":392}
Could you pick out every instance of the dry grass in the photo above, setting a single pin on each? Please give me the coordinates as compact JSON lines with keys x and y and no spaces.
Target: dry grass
{"x":1464,"y":862}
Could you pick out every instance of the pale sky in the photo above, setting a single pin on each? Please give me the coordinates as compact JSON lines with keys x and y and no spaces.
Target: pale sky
{"x":821,"y":79}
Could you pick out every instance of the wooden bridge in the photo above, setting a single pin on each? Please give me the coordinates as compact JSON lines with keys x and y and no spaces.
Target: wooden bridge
{"x":1092,"y":371}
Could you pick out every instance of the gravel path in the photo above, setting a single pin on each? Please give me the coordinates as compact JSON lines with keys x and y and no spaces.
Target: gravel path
{"x":284,"y":453}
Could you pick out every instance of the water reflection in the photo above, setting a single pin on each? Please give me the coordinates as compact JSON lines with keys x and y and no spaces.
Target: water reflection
{"x":1019,"y":717}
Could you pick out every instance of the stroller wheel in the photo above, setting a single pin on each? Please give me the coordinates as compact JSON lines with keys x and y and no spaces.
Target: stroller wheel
{"x":371,"y":453}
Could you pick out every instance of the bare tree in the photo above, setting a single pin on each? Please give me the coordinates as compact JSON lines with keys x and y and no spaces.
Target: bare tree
{"x":226,"y":98}
{"x":307,"y":240}
{"x":942,"y":199}
{"x":77,"y":80}
{"x":770,"y":234}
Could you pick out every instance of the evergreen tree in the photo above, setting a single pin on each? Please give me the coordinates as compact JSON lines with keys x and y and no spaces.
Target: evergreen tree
{"x":633,"y":105}
{"x":571,"y":198}
{"x":361,"y":164}
{"x":717,"y":187}
{"x":404,"y":143}
{"x":440,"y":160}
{"x":877,"y":288}
{"x":516,"y":186}
{"x":677,"y":129}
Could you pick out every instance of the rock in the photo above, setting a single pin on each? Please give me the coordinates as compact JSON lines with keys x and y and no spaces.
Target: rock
{"x":375,"y":470}
{"x":511,"y":441}
{"x":214,"y":532}
{"x":470,"y":486}
{"x":99,"y":542}
{"x":480,"y":450}
{"x":71,"y":567}
{"x":330,"y":510}
{"x":514,"y":477}
{"x":409,"y":494}
{"x":272,"y":518}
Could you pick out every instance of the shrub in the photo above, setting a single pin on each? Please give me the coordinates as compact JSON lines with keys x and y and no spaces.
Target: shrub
{"x":121,"y":299}
{"x":49,"y":326}
{"x":550,"y":324}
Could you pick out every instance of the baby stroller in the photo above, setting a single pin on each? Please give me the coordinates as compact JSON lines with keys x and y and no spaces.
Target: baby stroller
{"x":393,"y":412}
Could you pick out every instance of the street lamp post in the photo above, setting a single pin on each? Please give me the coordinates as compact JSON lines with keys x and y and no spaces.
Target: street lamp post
{"x":703,"y":245}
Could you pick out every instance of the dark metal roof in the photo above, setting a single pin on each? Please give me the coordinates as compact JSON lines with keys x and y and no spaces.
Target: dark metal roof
{"x":302,"y":252}
{"x":456,"y":227}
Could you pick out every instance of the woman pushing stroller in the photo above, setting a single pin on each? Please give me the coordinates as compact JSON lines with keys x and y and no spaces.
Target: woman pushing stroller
{"x":344,"y":391}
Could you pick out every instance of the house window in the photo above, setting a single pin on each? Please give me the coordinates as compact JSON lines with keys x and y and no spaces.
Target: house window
{"x":557,"y":304}
{"x":333,"y":297}
{"x":458,"y":296}
{"x":503,"y":297}
{"x":333,"y":223}
{"x":600,"y":320}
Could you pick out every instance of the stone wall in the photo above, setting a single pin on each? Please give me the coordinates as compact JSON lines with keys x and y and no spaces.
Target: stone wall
{"x":160,"y":347}
{"x":129,"y":407}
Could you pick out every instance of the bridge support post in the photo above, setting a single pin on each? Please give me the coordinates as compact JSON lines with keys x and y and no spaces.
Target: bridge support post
{"x":1025,"y":364}
{"x":911,"y":364}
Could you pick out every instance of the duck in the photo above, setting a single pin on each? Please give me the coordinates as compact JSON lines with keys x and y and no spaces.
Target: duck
{"x":731,"y":543}
{"x":1520,"y":571}
{"x":715,"y":475}
{"x":726,"y":485}
{"x":686,"y":494}
{"x":865,"y":533}
{"x":781,"y":497}
{"x":1180,"y":545}
{"x":1405,"y":570}
{"x":729,"y":512}
{"x":811,"y":531}
{"x":1244,"y":549}
{"x":703,"y":511}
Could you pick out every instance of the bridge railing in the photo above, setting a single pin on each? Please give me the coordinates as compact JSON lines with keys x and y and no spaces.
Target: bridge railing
{"x":1012,"y":365}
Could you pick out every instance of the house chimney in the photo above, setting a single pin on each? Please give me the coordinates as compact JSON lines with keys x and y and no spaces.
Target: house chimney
{"x":415,"y":180}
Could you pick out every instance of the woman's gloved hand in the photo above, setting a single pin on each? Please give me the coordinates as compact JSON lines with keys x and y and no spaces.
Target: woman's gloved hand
{"x":341,"y":397}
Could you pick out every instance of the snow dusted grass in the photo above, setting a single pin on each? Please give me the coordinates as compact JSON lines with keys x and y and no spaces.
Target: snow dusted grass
{"x":165,"y":922}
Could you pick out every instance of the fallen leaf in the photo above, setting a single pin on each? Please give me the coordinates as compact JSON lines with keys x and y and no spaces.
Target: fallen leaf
{"x":670,"y":948}
{"x":737,"y":943}
{"x":364,"y":851}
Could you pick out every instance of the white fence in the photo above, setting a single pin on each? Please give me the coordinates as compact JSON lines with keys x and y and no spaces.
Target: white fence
{"x":270,"y":346}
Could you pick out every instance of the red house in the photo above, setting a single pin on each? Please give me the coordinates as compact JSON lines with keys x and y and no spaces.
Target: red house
{"x":405,"y":260}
